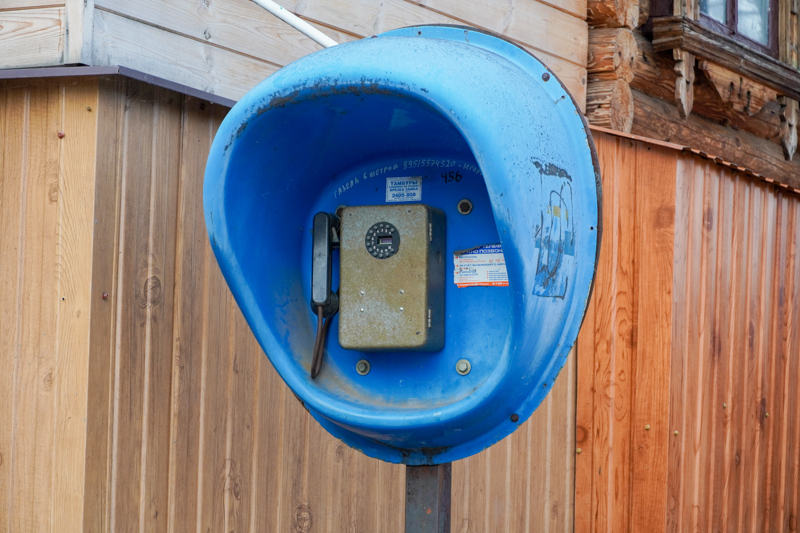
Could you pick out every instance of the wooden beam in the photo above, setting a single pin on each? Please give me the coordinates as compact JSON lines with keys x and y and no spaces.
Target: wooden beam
{"x":653,"y":75}
{"x":743,"y":94}
{"x":684,"y":81}
{"x":613,"y":13}
{"x":682,"y":33}
{"x":612,"y":54}
{"x":788,"y":116}
{"x":609,"y":104}
{"x":659,"y":120}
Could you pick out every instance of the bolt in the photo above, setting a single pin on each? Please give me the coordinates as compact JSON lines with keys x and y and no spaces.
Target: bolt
{"x":676,"y":433}
{"x":463,"y":367}
{"x":362,"y":293}
{"x":105,"y":296}
{"x":362,"y":309}
{"x":60,"y":134}
{"x":465,"y":207}
{"x":578,"y":451}
{"x":546,"y":76}
{"x":401,"y":309}
{"x":402,"y":291}
{"x":515,"y":418}
{"x":362,"y":367}
{"x":647,"y":427}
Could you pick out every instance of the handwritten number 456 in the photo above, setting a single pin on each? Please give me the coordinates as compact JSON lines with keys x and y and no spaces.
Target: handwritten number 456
{"x":452,"y":176}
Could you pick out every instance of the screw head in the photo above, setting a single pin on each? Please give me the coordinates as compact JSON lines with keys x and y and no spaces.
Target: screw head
{"x":578,"y":451}
{"x":724,"y":405}
{"x":362,"y":367}
{"x":60,"y":134}
{"x":675,"y":433}
{"x":401,"y":309}
{"x":105,"y":296}
{"x":546,"y":76}
{"x":766,"y":415}
{"x":463,"y":367}
{"x":515,"y":417}
{"x":647,"y":427}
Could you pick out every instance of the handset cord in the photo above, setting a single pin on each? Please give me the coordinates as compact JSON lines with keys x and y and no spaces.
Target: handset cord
{"x":319,"y":342}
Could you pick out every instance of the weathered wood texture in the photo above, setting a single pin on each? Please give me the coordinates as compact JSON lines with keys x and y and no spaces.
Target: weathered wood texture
{"x":624,"y":346}
{"x":689,"y":358}
{"x":147,"y":405}
{"x":228,"y":46}
{"x":734,"y":463}
{"x":47,"y":182}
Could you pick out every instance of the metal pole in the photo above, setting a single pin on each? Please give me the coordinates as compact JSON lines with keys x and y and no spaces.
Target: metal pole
{"x":297,"y":23}
{"x":428,"y":498}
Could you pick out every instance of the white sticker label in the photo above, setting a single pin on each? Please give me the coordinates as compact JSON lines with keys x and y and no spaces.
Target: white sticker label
{"x":483,"y":266}
{"x":404,"y":189}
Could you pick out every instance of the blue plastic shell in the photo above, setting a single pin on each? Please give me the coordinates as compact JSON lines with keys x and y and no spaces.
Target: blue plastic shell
{"x":477,"y":117}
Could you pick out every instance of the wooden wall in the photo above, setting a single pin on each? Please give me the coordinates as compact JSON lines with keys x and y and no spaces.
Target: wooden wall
{"x":168,"y":416}
{"x":624,"y":348}
{"x":226,"y":47}
{"x":735,"y":402}
{"x":688,"y":376}
{"x":46,"y":186}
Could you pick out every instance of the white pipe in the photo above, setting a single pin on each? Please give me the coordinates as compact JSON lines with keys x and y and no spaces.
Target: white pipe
{"x":299,"y":24}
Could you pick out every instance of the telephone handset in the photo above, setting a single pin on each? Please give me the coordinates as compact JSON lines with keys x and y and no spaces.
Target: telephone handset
{"x":391,"y":278}
{"x":324,"y":301}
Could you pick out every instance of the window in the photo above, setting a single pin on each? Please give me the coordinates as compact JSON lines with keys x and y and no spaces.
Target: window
{"x":752,"y":22}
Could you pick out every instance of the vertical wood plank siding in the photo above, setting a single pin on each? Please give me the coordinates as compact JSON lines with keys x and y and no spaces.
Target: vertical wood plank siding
{"x":688,"y":359}
{"x":734,"y":463}
{"x":46,"y":186}
{"x":190,"y":428}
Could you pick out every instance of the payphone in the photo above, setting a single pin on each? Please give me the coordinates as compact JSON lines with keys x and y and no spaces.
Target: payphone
{"x":392,"y":264}
{"x":438,"y":198}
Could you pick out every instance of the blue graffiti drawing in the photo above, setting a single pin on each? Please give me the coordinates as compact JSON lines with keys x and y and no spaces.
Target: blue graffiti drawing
{"x":555,"y":236}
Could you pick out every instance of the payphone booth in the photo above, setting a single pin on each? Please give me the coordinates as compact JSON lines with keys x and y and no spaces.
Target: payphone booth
{"x":410,"y":224}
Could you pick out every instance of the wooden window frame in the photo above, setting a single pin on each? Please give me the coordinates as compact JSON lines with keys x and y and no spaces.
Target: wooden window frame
{"x":664,"y":8}
{"x":730,"y":28}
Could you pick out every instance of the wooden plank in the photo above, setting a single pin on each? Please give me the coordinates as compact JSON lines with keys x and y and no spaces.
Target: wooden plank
{"x":733,"y":489}
{"x":655,"y":206}
{"x":99,"y":419}
{"x":157,"y":296}
{"x":121,"y":41}
{"x":34,"y":395}
{"x":192,"y":264}
{"x":657,"y":119}
{"x":241,"y":436}
{"x":777,"y":463}
{"x":241,"y":27}
{"x":793,"y":449}
{"x":11,"y":5}
{"x":268,"y":416}
{"x":497,"y":474}
{"x":32,"y":38}
{"x":132,"y":309}
{"x":679,"y":358}
{"x":79,"y":33}
{"x":721,"y":405}
{"x":538,"y":504}
{"x":76,"y":220}
{"x":706,"y":226}
{"x":753,"y":405}
{"x":532,"y":23}
{"x":14,"y":117}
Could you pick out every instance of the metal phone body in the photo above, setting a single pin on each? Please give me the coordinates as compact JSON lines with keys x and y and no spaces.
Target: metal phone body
{"x":392,"y":278}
